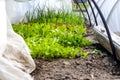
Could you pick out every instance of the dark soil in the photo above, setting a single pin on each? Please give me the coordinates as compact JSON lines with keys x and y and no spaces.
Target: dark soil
{"x":95,"y":67}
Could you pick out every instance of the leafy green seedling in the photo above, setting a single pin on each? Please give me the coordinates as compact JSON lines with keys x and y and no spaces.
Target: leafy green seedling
{"x":97,"y":52}
{"x":50,"y":35}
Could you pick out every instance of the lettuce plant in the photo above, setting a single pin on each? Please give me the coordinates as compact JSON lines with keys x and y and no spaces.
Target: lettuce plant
{"x":54,"y":35}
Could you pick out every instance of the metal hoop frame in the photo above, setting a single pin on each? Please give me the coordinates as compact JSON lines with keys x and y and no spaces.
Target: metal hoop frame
{"x":96,"y":22}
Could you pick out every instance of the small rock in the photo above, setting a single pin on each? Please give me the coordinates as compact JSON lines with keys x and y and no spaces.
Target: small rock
{"x":77,"y":63}
{"x":86,"y":79}
{"x":83,"y":78}
{"x":48,"y":79}
{"x":63,"y":78}
{"x":66,"y":63}
{"x":102,"y":30}
{"x":88,"y":63}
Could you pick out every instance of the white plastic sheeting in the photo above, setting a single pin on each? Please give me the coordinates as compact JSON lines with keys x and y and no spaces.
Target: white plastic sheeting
{"x":3,"y":27}
{"x":20,"y":8}
{"x":15,"y":60}
{"x":111,"y":12}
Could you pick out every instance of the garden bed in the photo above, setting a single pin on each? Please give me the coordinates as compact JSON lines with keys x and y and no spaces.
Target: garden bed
{"x":61,"y":50}
{"x":97,"y":66}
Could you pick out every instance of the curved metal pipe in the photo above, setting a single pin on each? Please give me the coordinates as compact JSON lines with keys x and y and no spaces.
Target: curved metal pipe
{"x":86,"y":11}
{"x":107,"y":30}
{"x":80,"y":9}
{"x":93,"y":12}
